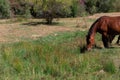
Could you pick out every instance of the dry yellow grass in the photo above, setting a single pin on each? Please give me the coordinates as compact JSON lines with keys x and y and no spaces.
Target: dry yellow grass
{"x":11,"y":31}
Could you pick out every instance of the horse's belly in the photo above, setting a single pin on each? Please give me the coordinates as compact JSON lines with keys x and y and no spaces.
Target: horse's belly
{"x":114,"y":28}
{"x":114,"y":31}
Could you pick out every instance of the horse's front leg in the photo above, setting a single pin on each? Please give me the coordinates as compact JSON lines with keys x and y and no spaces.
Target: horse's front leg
{"x":105,"y":41}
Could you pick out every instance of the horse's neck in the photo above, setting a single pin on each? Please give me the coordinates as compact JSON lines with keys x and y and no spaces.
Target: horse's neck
{"x":94,"y":28}
{"x":93,"y":31}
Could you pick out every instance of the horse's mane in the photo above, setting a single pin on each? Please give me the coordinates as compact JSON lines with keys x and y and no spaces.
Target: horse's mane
{"x":93,"y":25}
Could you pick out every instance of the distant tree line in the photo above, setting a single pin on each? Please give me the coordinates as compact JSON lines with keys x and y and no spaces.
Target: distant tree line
{"x":50,"y":9}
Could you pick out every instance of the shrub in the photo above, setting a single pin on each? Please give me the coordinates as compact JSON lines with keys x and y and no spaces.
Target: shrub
{"x":95,"y":6}
{"x":90,"y":6}
{"x":74,"y":8}
{"x":4,"y":9}
{"x":50,"y":9}
{"x":104,"y":5}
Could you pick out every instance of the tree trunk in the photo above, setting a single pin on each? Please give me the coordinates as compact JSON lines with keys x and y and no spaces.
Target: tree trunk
{"x":49,"y":20}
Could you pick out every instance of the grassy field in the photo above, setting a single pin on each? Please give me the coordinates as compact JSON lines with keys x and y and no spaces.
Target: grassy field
{"x":58,"y":55}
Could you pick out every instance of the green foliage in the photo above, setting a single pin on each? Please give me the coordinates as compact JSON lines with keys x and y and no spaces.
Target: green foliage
{"x":95,"y":6}
{"x":74,"y":8}
{"x":105,"y":5}
{"x":91,"y":6}
{"x":26,"y":11}
{"x":52,"y":8}
{"x":4,"y":9}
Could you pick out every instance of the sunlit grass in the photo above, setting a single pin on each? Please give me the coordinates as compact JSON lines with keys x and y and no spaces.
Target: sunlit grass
{"x":57,"y":57}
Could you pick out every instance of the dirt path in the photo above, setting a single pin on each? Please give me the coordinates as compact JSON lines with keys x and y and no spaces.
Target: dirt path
{"x":16,"y":32}
{"x":12,"y":32}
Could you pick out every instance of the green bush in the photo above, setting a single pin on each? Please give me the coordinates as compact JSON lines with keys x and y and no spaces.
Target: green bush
{"x":90,"y":6}
{"x":74,"y":8}
{"x":50,"y":9}
{"x":105,"y":5}
{"x":4,"y":9}
{"x":95,"y":6}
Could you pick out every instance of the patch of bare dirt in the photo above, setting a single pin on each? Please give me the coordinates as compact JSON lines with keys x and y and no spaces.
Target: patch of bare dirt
{"x":16,"y":32}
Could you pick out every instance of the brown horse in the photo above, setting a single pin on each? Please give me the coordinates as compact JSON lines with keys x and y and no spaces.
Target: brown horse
{"x":108,"y":27}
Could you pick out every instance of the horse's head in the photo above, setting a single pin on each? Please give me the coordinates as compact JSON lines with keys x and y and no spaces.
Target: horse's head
{"x":90,"y":42}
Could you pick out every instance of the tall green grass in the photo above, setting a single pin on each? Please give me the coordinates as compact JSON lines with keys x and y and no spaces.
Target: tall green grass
{"x":57,"y":57}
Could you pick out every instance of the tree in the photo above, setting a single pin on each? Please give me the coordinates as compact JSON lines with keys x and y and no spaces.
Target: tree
{"x":54,"y":8}
{"x":50,"y":9}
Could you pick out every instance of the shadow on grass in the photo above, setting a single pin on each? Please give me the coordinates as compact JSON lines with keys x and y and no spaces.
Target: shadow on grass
{"x":83,"y":49}
{"x":40,"y":23}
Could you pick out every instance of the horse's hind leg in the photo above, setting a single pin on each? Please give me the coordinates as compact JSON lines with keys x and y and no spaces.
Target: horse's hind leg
{"x":118,"y":40}
{"x":111,"y":37}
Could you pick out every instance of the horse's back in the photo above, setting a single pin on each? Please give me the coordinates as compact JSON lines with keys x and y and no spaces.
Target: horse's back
{"x":109,"y":24}
{"x":113,"y":18}
{"x":113,"y":24}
